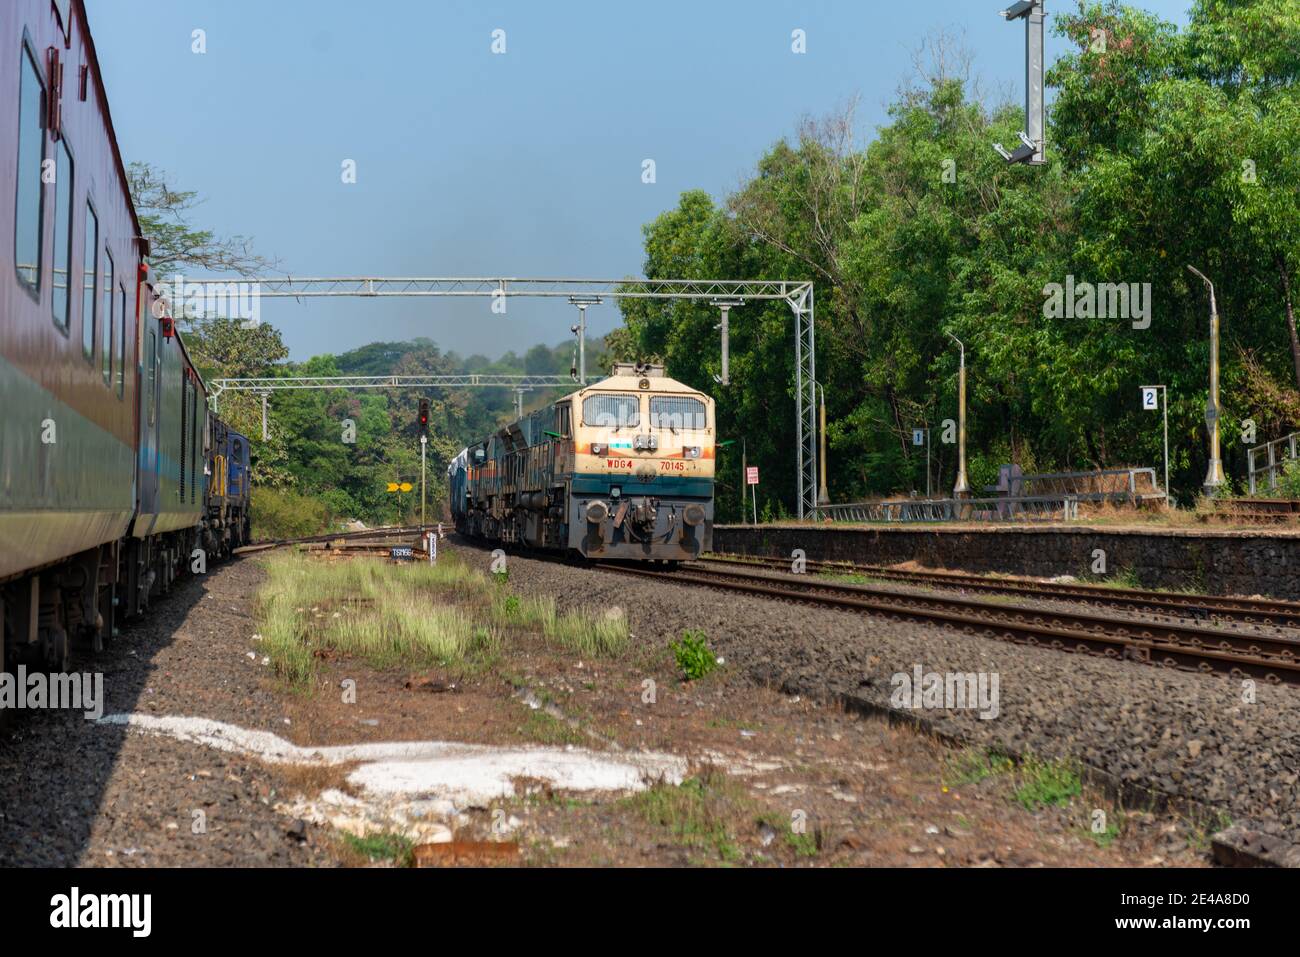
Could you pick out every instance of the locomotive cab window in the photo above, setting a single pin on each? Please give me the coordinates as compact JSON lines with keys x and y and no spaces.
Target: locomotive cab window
{"x":63,"y":286}
{"x":612,"y":411}
{"x":90,"y":286}
{"x":677,"y":412}
{"x":29,"y":200}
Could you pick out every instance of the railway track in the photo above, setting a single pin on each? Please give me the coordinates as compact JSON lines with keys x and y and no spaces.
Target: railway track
{"x":1248,"y":611}
{"x":1190,"y":647}
{"x":398,"y":532}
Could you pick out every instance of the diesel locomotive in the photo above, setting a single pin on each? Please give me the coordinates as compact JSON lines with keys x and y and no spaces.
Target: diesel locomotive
{"x":112,"y":470}
{"x":622,"y":469}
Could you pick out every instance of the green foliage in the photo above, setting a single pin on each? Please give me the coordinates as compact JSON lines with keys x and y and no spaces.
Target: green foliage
{"x":1288,"y":485}
{"x":926,"y":232}
{"x":284,"y":513}
{"x":692,"y":655}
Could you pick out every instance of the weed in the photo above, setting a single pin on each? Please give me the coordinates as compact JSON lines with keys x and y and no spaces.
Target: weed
{"x":698,"y":812}
{"x":693,"y":655}
{"x":972,"y":766}
{"x":1047,"y":783}
{"x":382,"y":847}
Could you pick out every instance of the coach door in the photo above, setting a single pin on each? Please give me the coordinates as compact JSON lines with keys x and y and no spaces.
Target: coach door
{"x":152,"y":371}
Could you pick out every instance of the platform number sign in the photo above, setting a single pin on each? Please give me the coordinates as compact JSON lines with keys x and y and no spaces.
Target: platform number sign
{"x":1150,"y":399}
{"x":751,"y":475}
{"x":918,"y":436}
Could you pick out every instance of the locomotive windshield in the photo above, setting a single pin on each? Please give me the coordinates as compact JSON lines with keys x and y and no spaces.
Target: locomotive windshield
{"x":677,"y":412}
{"x":612,"y":411}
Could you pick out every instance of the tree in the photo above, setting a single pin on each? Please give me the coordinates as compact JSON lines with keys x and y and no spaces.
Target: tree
{"x":174,"y":243}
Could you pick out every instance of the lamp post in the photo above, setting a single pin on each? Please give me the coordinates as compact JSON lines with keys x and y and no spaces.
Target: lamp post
{"x":823,"y":496}
{"x":580,"y":330}
{"x":963,"y":486}
{"x":1214,"y":472}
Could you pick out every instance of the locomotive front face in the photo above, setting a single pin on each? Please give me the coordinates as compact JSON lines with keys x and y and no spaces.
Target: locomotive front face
{"x":643,"y":471}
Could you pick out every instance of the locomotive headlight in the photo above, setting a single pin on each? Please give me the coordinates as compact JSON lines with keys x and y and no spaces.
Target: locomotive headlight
{"x":599,"y":448}
{"x":691,"y":452}
{"x":597,"y":512}
{"x":693,"y":514}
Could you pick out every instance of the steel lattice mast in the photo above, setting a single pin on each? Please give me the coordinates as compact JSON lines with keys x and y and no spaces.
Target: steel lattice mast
{"x":580,"y":292}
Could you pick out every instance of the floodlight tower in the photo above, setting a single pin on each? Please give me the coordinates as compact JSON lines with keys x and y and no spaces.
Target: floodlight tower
{"x":1032,"y":138}
{"x":580,"y":330}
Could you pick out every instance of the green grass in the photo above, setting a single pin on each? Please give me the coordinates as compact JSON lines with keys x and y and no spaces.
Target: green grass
{"x":698,"y":813}
{"x":972,"y":766}
{"x":1047,"y":783}
{"x":805,"y":845}
{"x":1124,"y":578}
{"x":382,"y":847}
{"x":589,"y":634}
{"x":413,"y":615}
{"x":1114,"y":827}
{"x":692,"y":655}
{"x":544,"y":728}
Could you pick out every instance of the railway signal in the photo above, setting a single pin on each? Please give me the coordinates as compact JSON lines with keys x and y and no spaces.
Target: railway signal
{"x":424,"y":417}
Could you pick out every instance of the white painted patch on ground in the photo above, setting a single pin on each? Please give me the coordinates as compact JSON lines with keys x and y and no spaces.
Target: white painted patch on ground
{"x":457,"y":775}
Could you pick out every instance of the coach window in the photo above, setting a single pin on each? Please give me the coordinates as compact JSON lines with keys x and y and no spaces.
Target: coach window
{"x":29,"y":202}
{"x":612,"y":411}
{"x":63,"y":238}
{"x":90,"y":285}
{"x":119,"y":356}
{"x":106,"y":319}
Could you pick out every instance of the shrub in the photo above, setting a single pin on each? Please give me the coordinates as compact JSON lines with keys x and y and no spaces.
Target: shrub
{"x":284,"y":513}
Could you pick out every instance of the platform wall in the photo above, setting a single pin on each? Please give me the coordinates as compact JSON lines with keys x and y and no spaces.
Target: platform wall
{"x":1217,"y":562}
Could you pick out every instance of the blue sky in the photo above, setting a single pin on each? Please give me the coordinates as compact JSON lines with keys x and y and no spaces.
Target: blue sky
{"x":474,"y":164}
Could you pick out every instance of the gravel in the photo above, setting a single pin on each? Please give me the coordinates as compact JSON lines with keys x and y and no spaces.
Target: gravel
{"x":74,"y":792}
{"x":1185,"y":735}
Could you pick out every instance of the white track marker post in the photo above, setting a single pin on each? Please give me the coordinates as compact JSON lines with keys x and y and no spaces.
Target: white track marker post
{"x":1151,"y":400}
{"x":751,"y":476}
{"x":922,"y":437}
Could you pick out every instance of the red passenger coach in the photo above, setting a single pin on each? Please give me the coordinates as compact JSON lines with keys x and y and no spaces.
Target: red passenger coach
{"x":76,"y":550}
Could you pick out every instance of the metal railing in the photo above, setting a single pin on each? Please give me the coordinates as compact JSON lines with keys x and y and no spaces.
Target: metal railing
{"x":1274,"y":464}
{"x":1025,"y":508}
{"x":1103,"y":485}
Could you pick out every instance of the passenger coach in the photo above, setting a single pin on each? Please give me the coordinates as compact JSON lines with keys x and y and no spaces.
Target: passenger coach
{"x":104,"y":434}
